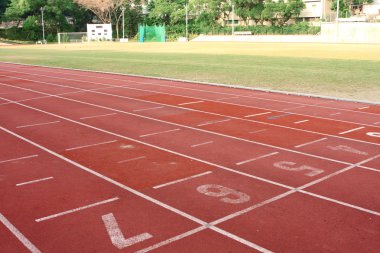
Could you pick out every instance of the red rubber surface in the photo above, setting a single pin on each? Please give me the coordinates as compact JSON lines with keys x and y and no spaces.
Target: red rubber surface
{"x":193,"y":168}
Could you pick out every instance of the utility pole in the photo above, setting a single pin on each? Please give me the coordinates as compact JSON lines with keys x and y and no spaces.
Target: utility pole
{"x":43,"y":25}
{"x":337,"y":21}
{"x":123,"y":10}
{"x":233,"y":19}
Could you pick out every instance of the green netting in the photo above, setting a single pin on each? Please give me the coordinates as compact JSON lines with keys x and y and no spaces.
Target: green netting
{"x":151,"y":33}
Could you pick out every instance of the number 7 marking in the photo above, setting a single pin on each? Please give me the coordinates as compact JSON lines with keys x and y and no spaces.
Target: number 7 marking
{"x":117,"y":237}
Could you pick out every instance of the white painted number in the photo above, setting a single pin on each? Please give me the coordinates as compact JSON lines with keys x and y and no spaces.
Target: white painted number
{"x":347,"y":149}
{"x":117,"y":237}
{"x":218,"y":191}
{"x":373,"y":134}
{"x":289,"y":166}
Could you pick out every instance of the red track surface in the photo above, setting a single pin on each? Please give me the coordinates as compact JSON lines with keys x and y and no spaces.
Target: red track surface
{"x":94,"y":162}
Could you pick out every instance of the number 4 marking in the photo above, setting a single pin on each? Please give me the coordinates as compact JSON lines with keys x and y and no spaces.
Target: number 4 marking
{"x":117,"y":237}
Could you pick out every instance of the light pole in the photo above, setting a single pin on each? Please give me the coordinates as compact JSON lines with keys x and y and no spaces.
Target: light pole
{"x":123,"y":10}
{"x":186,"y":32}
{"x":43,"y":25}
{"x":337,"y":11}
{"x":233,"y":18}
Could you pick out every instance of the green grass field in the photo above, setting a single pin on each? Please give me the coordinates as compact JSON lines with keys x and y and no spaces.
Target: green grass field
{"x":345,"y":71}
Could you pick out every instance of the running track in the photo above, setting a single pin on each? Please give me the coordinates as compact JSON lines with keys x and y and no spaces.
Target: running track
{"x":95,"y":162}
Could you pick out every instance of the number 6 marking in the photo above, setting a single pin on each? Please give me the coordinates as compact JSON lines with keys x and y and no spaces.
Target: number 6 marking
{"x":214,"y":190}
{"x":286,"y":166}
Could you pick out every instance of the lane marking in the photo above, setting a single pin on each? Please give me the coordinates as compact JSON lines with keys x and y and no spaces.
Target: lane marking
{"x":28,"y":244}
{"x":181,"y":180}
{"x":213,"y":122}
{"x":373,"y":134}
{"x":258,"y":131}
{"x":337,"y":113}
{"x":352,"y":130}
{"x":219,"y":99}
{"x":189,"y":103}
{"x":91,"y":145}
{"x":377,"y":123}
{"x":257,"y":114}
{"x":132,"y":159}
{"x":172,"y":239}
{"x":76,"y":209}
{"x":340,"y":202}
{"x":20,"y":158}
{"x":365,"y":107}
{"x":39,"y":124}
{"x":188,"y":127}
{"x":301,"y":121}
{"x":311,"y":142}
{"x":117,"y":237}
{"x":97,"y":116}
{"x":34,"y":181}
{"x":168,"y":131}
{"x":296,"y":107}
{"x":279,"y":116}
{"x":347,"y":149}
{"x":147,"y":109}
{"x":256,"y":158}
{"x":201,"y":144}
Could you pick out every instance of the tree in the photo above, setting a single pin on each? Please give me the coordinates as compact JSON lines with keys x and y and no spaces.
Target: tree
{"x":280,"y":12}
{"x":3,"y":6}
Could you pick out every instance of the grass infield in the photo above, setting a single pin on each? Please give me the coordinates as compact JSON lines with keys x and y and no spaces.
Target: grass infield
{"x":340,"y":70}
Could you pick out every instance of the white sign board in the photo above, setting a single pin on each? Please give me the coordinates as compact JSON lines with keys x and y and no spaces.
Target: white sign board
{"x":99,"y":32}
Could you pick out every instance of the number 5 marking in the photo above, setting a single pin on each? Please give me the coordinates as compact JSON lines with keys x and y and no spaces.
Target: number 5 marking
{"x":214,"y":190}
{"x":117,"y":237}
{"x":287,"y":166}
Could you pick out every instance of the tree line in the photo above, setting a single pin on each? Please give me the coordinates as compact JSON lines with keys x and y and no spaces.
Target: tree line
{"x":204,"y":15}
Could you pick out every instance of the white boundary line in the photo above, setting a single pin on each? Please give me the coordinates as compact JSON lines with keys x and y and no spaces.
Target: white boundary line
{"x":162,"y":132}
{"x":39,"y":124}
{"x":256,"y":158}
{"x":301,"y":121}
{"x":213,"y":122}
{"x":181,"y":180}
{"x":257,"y":114}
{"x":76,"y":209}
{"x":352,"y":130}
{"x":189,"y":127}
{"x":185,"y":108}
{"x":147,"y":109}
{"x":20,"y":158}
{"x":28,"y":244}
{"x":201,"y":144}
{"x":132,"y":159}
{"x":34,"y":181}
{"x":97,"y":116}
{"x":91,"y":145}
{"x":189,"y":103}
{"x":310,"y":142}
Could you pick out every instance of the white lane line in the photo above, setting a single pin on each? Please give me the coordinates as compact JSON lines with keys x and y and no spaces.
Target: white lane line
{"x":97,"y":116}
{"x":132,"y":159}
{"x":76,"y":209}
{"x":340,"y":202}
{"x":311,"y":142}
{"x":20,"y":158}
{"x":365,"y":107}
{"x":28,"y":244}
{"x":301,"y":121}
{"x":39,"y":124}
{"x":189,"y":103}
{"x":91,"y":145}
{"x":257,"y":114}
{"x":181,"y":180}
{"x":34,"y":181}
{"x":241,"y":240}
{"x":173,"y":239}
{"x":163,"y":132}
{"x":377,"y":123}
{"x":213,"y":122}
{"x":337,"y":113}
{"x":352,"y":130}
{"x":201,"y":144}
{"x":219,"y":99}
{"x":147,"y":109}
{"x":256,"y":158}
{"x":257,"y":131}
